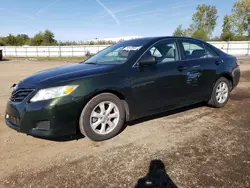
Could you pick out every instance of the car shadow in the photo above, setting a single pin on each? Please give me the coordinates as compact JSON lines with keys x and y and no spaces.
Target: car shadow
{"x":156,"y":177}
{"x":79,"y":136}
{"x":163,"y":114}
{"x":5,"y":59}
{"x":67,"y":138}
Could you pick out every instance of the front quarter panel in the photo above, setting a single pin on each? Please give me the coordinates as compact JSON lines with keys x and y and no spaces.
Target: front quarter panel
{"x":114,"y":82}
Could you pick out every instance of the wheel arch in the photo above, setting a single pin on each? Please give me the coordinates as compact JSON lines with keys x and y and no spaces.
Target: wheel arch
{"x":116,"y":93}
{"x":227,"y":76}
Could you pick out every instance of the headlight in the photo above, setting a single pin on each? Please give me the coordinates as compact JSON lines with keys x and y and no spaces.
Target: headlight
{"x":53,"y":92}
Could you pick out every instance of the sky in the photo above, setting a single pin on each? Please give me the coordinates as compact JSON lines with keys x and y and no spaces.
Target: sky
{"x":88,"y":19}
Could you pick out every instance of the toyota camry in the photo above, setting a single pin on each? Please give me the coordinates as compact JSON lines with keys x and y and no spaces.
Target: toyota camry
{"x":125,"y":81}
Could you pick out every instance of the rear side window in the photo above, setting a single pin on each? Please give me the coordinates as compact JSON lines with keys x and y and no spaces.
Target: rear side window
{"x":193,"y":50}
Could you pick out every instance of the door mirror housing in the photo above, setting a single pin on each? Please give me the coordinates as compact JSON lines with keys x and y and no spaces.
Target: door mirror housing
{"x":147,"y":61}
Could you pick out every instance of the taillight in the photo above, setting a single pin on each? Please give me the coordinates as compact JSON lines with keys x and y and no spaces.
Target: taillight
{"x":237,"y":62}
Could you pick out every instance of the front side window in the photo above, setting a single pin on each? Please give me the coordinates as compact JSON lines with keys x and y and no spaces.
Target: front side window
{"x":118,"y":53}
{"x":164,"y":52}
{"x":194,"y":50}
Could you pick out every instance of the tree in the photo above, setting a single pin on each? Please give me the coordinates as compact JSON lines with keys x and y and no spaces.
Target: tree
{"x":22,"y":39}
{"x":201,"y":34}
{"x":2,"y":43}
{"x":205,"y":19}
{"x":227,"y":24}
{"x":37,"y":40}
{"x":45,"y":38}
{"x":10,"y":40}
{"x":179,"y":31}
{"x":240,"y":15}
{"x":48,"y":38}
{"x":227,"y":33}
{"x":248,"y":20}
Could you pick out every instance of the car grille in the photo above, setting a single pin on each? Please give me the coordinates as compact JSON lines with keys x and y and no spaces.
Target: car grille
{"x":20,"y":94}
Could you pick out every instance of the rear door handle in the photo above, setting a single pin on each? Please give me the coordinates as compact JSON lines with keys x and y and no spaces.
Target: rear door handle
{"x":218,"y":62}
{"x":182,"y":68}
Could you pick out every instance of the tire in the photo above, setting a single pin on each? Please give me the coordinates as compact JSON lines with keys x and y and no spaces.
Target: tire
{"x":214,"y":101}
{"x":93,"y":114}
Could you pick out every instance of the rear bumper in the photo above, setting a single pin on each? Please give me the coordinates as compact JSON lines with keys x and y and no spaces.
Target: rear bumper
{"x":236,"y":76}
{"x":52,"y":118}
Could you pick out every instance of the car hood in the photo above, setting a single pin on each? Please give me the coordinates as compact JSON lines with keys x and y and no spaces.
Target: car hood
{"x":64,"y":74}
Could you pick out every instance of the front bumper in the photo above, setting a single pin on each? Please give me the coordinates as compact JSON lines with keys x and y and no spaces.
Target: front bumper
{"x":51,"y":118}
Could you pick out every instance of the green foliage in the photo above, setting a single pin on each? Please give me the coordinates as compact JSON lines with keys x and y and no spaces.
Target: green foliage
{"x":241,"y":38}
{"x":22,"y":39}
{"x":2,"y":42}
{"x":248,"y":20}
{"x":227,"y":24}
{"x":216,"y":38}
{"x":201,"y":34}
{"x":240,"y":16}
{"x":179,"y":31}
{"x":10,"y":40}
{"x":48,"y":38}
{"x":227,"y":36}
{"x":45,"y":38}
{"x":204,"y":20}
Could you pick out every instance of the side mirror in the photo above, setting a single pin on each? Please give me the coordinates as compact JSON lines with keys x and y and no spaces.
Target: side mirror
{"x":147,"y":61}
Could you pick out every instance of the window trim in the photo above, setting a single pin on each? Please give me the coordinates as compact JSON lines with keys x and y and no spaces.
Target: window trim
{"x":162,"y":40}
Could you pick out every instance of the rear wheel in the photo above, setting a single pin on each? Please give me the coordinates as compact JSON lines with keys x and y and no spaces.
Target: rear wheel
{"x":220,"y":93}
{"x":102,"y":118}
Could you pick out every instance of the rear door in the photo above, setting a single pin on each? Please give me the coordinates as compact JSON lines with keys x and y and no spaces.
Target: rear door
{"x":202,"y":64}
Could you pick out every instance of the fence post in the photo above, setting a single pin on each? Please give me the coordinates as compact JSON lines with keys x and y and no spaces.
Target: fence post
{"x":26,"y":51}
{"x":60,"y":50}
{"x":4,"y":49}
{"x":248,"y":53}
{"x":72,"y":51}
{"x":49,"y":50}
{"x":227,"y":46}
{"x":15,"y":51}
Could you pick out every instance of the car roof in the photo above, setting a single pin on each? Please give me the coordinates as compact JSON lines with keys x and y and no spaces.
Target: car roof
{"x":163,"y":37}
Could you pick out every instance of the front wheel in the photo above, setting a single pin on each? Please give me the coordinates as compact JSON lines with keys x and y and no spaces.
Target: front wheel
{"x":220,"y":93}
{"x":102,"y":117}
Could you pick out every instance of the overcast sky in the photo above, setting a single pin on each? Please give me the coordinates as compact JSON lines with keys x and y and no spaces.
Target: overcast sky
{"x":88,"y":19}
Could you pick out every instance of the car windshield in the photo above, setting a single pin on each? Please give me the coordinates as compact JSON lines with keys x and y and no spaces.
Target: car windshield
{"x":118,"y":53}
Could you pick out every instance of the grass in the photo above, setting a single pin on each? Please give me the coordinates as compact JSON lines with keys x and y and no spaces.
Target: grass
{"x":68,"y":59}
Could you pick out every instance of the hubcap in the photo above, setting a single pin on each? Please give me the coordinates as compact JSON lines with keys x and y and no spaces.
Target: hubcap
{"x":104,"y":118}
{"x":222,"y":92}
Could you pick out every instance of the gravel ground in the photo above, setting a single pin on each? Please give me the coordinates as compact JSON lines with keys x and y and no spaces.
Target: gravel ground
{"x":195,"y":146}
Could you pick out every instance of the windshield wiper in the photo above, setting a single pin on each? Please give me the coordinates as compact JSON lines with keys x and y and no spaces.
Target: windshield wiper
{"x":93,"y":63}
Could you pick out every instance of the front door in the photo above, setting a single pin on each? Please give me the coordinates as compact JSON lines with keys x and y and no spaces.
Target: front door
{"x":159,"y":86}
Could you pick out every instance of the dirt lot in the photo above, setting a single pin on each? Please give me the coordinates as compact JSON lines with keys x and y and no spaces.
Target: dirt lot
{"x":195,"y":147}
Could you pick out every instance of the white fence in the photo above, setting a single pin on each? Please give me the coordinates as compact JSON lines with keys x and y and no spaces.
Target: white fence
{"x":50,"y":51}
{"x":241,"y":48}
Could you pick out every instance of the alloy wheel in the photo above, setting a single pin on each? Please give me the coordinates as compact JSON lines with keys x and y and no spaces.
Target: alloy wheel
{"x":222,"y":92}
{"x":104,"y":117}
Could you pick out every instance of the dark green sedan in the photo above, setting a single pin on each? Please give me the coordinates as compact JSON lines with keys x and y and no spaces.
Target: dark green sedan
{"x":126,"y":81}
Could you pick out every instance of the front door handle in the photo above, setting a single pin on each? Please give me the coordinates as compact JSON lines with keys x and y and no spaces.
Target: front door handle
{"x":182,"y":68}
